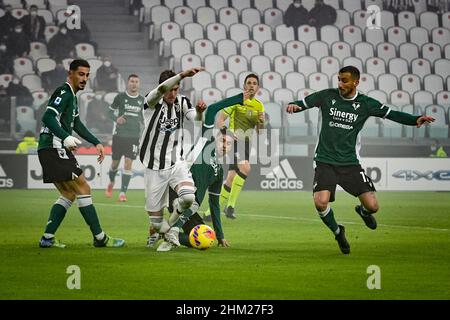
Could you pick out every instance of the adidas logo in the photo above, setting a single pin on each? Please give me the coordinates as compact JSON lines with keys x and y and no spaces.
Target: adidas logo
{"x":282,"y":177}
{"x":5,"y":182}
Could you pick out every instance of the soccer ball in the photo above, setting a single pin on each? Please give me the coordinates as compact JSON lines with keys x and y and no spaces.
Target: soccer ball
{"x":202,"y":237}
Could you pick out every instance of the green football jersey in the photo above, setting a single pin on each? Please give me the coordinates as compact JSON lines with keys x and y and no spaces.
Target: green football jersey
{"x":342,"y":121}
{"x":64,"y":103}
{"x":130,"y":107}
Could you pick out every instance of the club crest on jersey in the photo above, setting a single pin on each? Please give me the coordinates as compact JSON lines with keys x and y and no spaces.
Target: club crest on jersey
{"x":356,"y":105}
{"x":333,"y":102}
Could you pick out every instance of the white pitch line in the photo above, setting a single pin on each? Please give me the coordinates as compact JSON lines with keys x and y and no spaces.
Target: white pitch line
{"x":269,"y":216}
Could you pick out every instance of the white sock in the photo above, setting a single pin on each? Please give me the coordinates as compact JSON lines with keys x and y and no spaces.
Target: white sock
{"x":100,"y":236}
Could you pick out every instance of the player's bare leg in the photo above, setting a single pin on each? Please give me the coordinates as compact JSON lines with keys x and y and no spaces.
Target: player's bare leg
{"x":368,"y":206}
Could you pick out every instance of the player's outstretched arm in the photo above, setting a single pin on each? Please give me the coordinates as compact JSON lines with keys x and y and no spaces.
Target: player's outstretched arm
{"x":424,"y":119}
{"x":408,"y":119}
{"x":295,"y":107}
{"x":212,"y":110}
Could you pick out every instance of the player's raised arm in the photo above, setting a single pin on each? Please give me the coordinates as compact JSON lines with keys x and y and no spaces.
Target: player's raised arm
{"x":212,"y":110}
{"x":409,"y":119}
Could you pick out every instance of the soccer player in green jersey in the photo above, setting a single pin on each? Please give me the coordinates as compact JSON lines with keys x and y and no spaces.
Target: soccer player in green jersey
{"x":244,"y":119}
{"x":126,"y":112}
{"x":207,"y":173}
{"x":59,"y":165}
{"x":344,"y":112}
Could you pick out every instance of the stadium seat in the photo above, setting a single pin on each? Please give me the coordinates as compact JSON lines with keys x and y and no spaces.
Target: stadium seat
{"x":195,"y":4}
{"x":307,"y":65}
{"x":232,"y":92}
{"x":295,"y":49}
{"x":193,"y":31}
{"x":183,"y":15}
{"x":48,"y":16}
{"x":211,"y":95}
{"x":390,"y":128}
{"x":85,"y":50}
{"x":386,"y":51}
{"x":360,"y":18}
{"x":66,"y":63}
{"x":218,"y":4}
{"x":109,"y":97}
{"x":375,"y":66}
{"x":25,"y":119}
{"x":5,"y":79}
{"x":228,"y":16}
{"x":329,"y":66}
{"x":433,"y":83}
{"x":297,"y":125}
{"x":22,"y":66}
{"x":342,"y":19}
{"x":283,"y":4}
{"x":334,"y":80}
{"x":407,"y":20}
{"x":273,"y":17}
{"x":224,"y":80}
{"x":409,"y":52}
{"x":441,"y":36}
{"x":271,"y":81}
{"x":352,"y":35}
{"x":261,"y":33}
{"x":340,"y":50}
{"x":429,"y":20}
{"x":408,"y":131}
{"x":447,"y":52}
{"x":353,"y":61}
{"x":241,"y":4}
{"x":371,"y":128}
{"x":13,"y":3}
{"x":418,"y":36}
{"x":422,"y":99}
{"x":396,"y":36}
{"x":420,"y":67}
{"x":274,"y":110}
{"x":446,"y":20}
{"x":262,"y":95}
{"x":61,"y":16}
{"x":38,"y":50}
{"x":387,"y":83}
{"x":448,"y":83}
{"x":39,"y":98}
{"x":329,"y":34}
{"x":49,"y":32}
{"x":250,"y":17}
{"x":440,"y":128}
{"x":239,"y":32}
{"x":442,"y":68}
{"x":263,"y":5}
{"x":283,"y":65}
{"x":44,"y":65}
{"x":387,"y":19}
{"x":216,"y":32}
{"x":172,"y":4}
{"x":201,"y":81}
{"x":178,"y":48}
{"x":203,"y":47}
{"x":374,"y":36}
{"x":249,"y":49}
{"x":226,"y":48}
{"x":189,"y":61}
{"x":283,"y":96}
{"x":398,"y":66}
{"x":295,"y":81}
{"x":272,"y":49}
{"x":431,"y":52}
{"x":366,"y":83}
{"x":443,"y":99}
{"x":56,"y":5}
{"x":237,"y":64}
{"x":307,"y":34}
{"x":214,"y":63}
{"x":410,"y":83}
{"x":205,"y":16}
{"x":260,"y":63}
{"x":378,"y":3}
{"x":318,"y":81}
{"x":19,"y":13}
{"x":364,"y":51}
{"x":351,"y":5}
{"x":378,"y":95}
{"x":169,"y":32}
{"x":400,"y":98}
{"x":158,"y":15}
{"x":318,"y":49}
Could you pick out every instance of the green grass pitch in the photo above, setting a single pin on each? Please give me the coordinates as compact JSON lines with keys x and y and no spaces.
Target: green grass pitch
{"x":280,"y":250}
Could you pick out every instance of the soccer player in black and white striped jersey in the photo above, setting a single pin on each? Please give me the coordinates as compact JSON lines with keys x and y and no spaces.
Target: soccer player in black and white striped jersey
{"x":161,"y":151}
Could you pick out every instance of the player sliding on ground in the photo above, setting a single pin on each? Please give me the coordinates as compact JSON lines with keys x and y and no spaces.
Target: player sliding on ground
{"x":344,"y":112}
{"x":59,"y":165}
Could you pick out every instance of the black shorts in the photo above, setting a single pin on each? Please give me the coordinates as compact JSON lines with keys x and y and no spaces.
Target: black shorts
{"x":351,"y":178}
{"x":241,"y":152}
{"x":58,"y":165}
{"x":124,"y":146}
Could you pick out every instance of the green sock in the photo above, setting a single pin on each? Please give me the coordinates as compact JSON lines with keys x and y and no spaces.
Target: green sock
{"x":112,"y":175}
{"x":126,"y":177}
{"x":184,"y":217}
{"x":236,"y":188}
{"x":57,"y":214}
{"x":184,"y":239}
{"x":328,"y":218}
{"x":224,"y":195}
{"x":89,"y":214}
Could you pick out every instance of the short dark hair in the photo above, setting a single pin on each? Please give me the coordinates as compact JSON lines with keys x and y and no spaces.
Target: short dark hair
{"x":78,"y":63}
{"x":251,"y":75}
{"x":352,"y":70}
{"x":133,"y":76}
{"x":166,"y":74}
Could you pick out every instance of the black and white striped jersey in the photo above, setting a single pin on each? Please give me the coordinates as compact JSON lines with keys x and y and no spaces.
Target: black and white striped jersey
{"x":161,"y":143}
